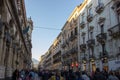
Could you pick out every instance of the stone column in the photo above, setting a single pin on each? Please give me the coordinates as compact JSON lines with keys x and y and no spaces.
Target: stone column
{"x":18,"y":59}
{"x":1,"y":47}
{"x":2,"y":60}
{"x":9,"y":62}
{"x":14,"y":60}
{"x":21,"y":60}
{"x":3,"y":44}
{"x":1,"y":39}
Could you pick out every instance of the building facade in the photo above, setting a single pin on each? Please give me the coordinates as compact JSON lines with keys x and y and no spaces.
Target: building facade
{"x":70,"y":41}
{"x":97,"y":20}
{"x":90,"y":37}
{"x":15,"y":37}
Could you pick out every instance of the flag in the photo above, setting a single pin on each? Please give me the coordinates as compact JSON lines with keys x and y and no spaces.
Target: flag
{"x":26,"y":30}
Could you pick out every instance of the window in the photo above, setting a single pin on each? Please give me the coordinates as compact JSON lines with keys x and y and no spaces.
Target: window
{"x":71,"y":33}
{"x":91,"y":35}
{"x":102,"y":28}
{"x":83,"y":18}
{"x":104,"y":48}
{"x":83,"y":39}
{"x":90,"y":10}
{"x":76,"y":31}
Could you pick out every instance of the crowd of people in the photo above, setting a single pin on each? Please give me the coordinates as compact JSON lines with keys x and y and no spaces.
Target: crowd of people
{"x":65,"y":75}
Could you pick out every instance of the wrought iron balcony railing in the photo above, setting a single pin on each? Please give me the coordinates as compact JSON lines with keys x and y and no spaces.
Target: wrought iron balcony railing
{"x":90,"y":17}
{"x":63,"y":45}
{"x":91,"y":42}
{"x":83,"y":47}
{"x":82,"y":24}
{"x":118,"y":9}
{"x":101,"y":38}
{"x":114,"y":32}
{"x":92,"y":58}
{"x":57,"y":60}
{"x":73,"y":37}
{"x":84,"y":60}
{"x":103,"y":55}
{"x":74,"y":50}
{"x":100,"y":8}
{"x":101,"y":19}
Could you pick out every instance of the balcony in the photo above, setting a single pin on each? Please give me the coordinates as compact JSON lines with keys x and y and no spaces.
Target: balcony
{"x":92,"y":58}
{"x":90,"y":17}
{"x":73,"y":37}
{"x":84,"y":60}
{"x":101,"y":38}
{"x":101,"y":19}
{"x":91,"y":42}
{"x":63,"y":45}
{"x":103,"y":55}
{"x":114,"y":32}
{"x":82,"y":24}
{"x":83,"y":47}
{"x":56,"y":58}
{"x":118,"y":8}
{"x":99,"y":8}
{"x":74,"y":50}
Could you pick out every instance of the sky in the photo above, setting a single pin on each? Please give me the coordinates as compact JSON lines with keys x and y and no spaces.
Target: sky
{"x":49,"y":16}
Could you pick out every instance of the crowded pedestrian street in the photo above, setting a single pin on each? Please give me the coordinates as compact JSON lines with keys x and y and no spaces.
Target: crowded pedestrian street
{"x":65,"y":75}
{"x":59,"y":39}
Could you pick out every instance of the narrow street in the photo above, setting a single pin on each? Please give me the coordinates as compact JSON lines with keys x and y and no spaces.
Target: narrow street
{"x":60,"y":40}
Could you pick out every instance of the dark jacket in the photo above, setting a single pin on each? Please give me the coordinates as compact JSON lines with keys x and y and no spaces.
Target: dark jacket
{"x":99,"y":76}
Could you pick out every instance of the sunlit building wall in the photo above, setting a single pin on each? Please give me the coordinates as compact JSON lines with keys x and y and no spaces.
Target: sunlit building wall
{"x":90,"y":38}
{"x":99,"y":37}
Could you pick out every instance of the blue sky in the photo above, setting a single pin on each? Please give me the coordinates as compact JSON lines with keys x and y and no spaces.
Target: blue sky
{"x":47,"y":14}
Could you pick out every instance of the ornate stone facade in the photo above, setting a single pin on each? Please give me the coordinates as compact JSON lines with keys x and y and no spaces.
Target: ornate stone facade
{"x":91,"y":36}
{"x":15,"y":47}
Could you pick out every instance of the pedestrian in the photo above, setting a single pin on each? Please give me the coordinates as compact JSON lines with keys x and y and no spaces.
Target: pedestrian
{"x":31,"y":75}
{"x":85,"y":76}
{"x":16,"y":75}
{"x":57,"y":76}
{"x":22,"y":74}
{"x":117,"y":73}
{"x":98,"y":75}
{"x":112,"y":76}
{"x":36,"y":76}
{"x":78,"y":76}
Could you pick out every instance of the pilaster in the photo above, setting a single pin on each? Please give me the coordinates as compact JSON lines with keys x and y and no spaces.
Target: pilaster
{"x":9,"y":62}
